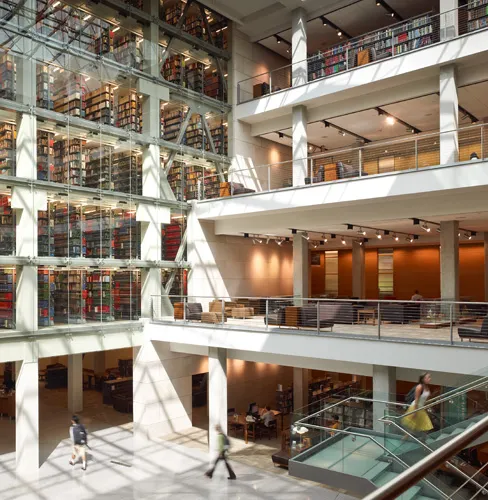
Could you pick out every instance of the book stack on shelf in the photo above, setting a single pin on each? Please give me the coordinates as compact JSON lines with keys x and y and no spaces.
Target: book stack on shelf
{"x":195,"y":179}
{"x":126,"y":236}
{"x":173,"y":14}
{"x":212,"y":87}
{"x":477,"y":14}
{"x":98,"y":168}
{"x":45,"y":155}
{"x":126,"y":50}
{"x":194,"y":74}
{"x":135,"y":3}
{"x":104,"y":43}
{"x":7,"y":298}
{"x":194,"y":133}
{"x":7,"y":77}
{"x":68,"y":231}
{"x":99,"y":300}
{"x":45,"y":290}
{"x":218,"y":26}
{"x":69,"y":161}
{"x":100,"y":105}
{"x":7,"y":149}
{"x":178,"y":287}
{"x":172,"y":234}
{"x":129,"y":116}
{"x":176,"y":180}
{"x":127,"y":173}
{"x":328,"y":63}
{"x":194,"y":26}
{"x":45,"y":233}
{"x":172,"y":124}
{"x":44,"y":87}
{"x":69,"y":95}
{"x":69,"y":297}
{"x":284,"y":401}
{"x":127,"y":295}
{"x":413,"y":35}
{"x":7,"y":227}
{"x":97,"y":226}
{"x":173,"y":69}
{"x":219,"y":137}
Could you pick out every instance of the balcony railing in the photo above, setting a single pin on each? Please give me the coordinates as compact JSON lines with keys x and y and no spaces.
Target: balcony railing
{"x":434,"y":321}
{"x":392,"y":41}
{"x":407,"y":154}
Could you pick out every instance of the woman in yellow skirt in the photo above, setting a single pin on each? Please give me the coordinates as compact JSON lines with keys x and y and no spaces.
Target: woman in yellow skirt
{"x":420,"y":420}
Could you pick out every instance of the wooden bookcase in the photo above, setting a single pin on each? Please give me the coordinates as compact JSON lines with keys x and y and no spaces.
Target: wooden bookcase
{"x":477,"y":14}
{"x":69,"y":296}
{"x":127,"y":295}
{"x":7,"y":298}
{"x":99,"y":297}
{"x":45,"y":155}
{"x":7,"y":148}
{"x":45,"y":290}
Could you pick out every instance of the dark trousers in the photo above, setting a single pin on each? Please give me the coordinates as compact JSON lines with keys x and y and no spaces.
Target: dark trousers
{"x":222,"y":456}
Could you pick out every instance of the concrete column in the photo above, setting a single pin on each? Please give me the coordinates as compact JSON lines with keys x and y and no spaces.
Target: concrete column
{"x":300,"y":145}
{"x":449,"y":16}
{"x":300,"y":388}
{"x":75,"y":383}
{"x":162,"y":391}
{"x":151,"y":39}
{"x":26,"y":65}
{"x":301,"y":268}
{"x":384,"y":389}
{"x":448,"y":120}
{"x":449,"y":260}
{"x":217,"y":393}
{"x":299,"y":47}
{"x":358,"y":271}
{"x":27,"y":415}
{"x":485,"y":239}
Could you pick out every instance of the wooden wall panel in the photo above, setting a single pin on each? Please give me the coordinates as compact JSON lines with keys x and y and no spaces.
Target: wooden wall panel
{"x":317,"y":276}
{"x":345,"y":273}
{"x":371,"y":271}
{"x":471,"y":272}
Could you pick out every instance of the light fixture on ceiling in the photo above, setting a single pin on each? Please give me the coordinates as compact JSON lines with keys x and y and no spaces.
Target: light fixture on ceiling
{"x":467,"y":236}
{"x":332,"y":236}
{"x":324,"y":21}
{"x":409,"y":239}
{"x":350,"y":227}
{"x":87,"y":17}
{"x":438,"y":229}
{"x":314,"y":244}
{"x":281,"y":135}
{"x":310,"y":148}
{"x":390,"y":120}
{"x":343,"y":241}
{"x":324,"y":238}
{"x":341,"y":132}
{"x":278,"y":39}
{"x":339,"y":33}
{"x":425,"y":227}
{"x":279,"y":242}
{"x":362,"y":231}
{"x":395,"y":237}
{"x":305,"y":236}
{"x":323,"y":242}
{"x":378,"y":235}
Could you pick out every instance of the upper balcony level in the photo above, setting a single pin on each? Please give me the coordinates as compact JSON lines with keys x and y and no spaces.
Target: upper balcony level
{"x":397,"y":55}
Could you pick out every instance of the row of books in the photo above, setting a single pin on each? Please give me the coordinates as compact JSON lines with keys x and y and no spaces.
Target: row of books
{"x":193,"y":182}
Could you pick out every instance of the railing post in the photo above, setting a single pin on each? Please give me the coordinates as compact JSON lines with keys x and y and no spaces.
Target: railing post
{"x":269,"y":177}
{"x":392,"y":43}
{"x":266,"y":318}
{"x":416,"y":154}
{"x":223,"y":312}
{"x":318,"y":317}
{"x":379,"y":321}
{"x":270,"y":84}
{"x":482,"y":139}
{"x":360,"y":159}
{"x":184,"y":309}
{"x":347,"y":58}
{"x":451,"y":323}
{"x":239,"y":93}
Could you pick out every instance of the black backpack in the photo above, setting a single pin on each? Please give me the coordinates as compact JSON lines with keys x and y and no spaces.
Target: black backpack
{"x":79,"y":434}
{"x":226,"y":443}
{"x":410,"y":397}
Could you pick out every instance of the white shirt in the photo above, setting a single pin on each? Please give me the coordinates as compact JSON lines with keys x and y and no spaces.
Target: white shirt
{"x":268,"y":417}
{"x":416,"y":296}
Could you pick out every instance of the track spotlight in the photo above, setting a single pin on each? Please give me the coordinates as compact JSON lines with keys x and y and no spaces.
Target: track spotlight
{"x":409,"y":239}
{"x":416,"y":222}
{"x":322,"y":242}
{"x":343,"y":241}
{"x":278,"y":39}
{"x":339,"y":33}
{"x":305,"y":236}
{"x":287,"y":239}
{"x":362,"y":231}
{"x":279,"y":242}
{"x":332,"y":236}
{"x":267,"y":240}
{"x":324,"y":21}
{"x":246,"y":235}
{"x":390,"y":120}
{"x":467,"y":236}
{"x":438,"y":229}
{"x":386,"y":232}
{"x":350,"y":227}
{"x":395,"y":237}
{"x":293,"y":231}
{"x":415,"y":236}
{"x":281,"y":135}
{"x":425,"y":227}
{"x":314,"y":244}
{"x":378,"y":235}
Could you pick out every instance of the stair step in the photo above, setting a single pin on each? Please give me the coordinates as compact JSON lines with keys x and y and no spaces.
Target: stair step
{"x":457,"y":431}
{"x":388,"y":476}
{"x":376,"y":470}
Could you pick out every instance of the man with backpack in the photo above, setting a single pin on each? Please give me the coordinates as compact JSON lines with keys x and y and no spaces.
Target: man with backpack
{"x":223,"y":444}
{"x":79,"y":438}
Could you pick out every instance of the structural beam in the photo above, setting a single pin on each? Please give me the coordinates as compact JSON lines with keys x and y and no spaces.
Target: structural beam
{"x":217,"y":393}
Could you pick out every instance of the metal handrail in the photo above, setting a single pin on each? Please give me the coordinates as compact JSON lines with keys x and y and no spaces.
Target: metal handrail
{"x":418,"y":471}
{"x":453,"y":466}
{"x":386,"y":450}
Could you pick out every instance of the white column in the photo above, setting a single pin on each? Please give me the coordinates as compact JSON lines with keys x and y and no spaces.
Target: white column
{"x":151,"y":40}
{"x":75,"y":383}
{"x":448,"y":120}
{"x":300,"y":145}
{"x":300,"y":388}
{"x":217,"y":393}
{"x":485,"y":239}
{"x":358,"y":270}
{"x":26,"y":66}
{"x":449,"y":260}
{"x":301,"y":259}
{"x":299,"y":47}
{"x":162,"y":391}
{"x":449,"y":15}
{"x":27,"y":415}
{"x":384,"y":389}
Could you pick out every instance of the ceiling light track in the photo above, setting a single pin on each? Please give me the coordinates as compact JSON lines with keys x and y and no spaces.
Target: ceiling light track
{"x":343,"y":132}
{"x":389,"y":10}
{"x":392,"y":119}
{"x":426,"y":226}
{"x":340,"y":32}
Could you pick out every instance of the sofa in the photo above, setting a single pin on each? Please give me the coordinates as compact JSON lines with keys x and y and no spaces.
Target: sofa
{"x":474,"y":333}
{"x":400,"y":313}
{"x":308,"y":316}
{"x":276,"y":316}
{"x":345,"y":171}
{"x":233,"y":188}
{"x":194,"y":311}
{"x":340,"y":312}
{"x":319,"y":178}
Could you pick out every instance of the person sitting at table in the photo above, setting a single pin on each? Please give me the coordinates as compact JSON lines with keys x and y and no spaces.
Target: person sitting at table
{"x":336,"y":424}
{"x":416,"y":296}
{"x":268,"y":416}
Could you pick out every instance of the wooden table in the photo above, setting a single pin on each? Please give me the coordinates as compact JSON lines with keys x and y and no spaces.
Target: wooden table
{"x":292,"y":316}
{"x":365,"y":313}
{"x":241,"y":421}
{"x":434,"y":325}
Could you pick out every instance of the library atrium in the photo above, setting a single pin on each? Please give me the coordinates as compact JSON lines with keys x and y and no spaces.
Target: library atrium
{"x":266,"y":219}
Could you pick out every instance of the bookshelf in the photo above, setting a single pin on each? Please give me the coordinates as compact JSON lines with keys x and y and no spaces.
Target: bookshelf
{"x":477,"y":14}
{"x":7,"y":77}
{"x":69,"y":296}
{"x":172,"y":14}
{"x":194,"y":76}
{"x":98,"y":161}
{"x":126,"y":50}
{"x":172,"y":120}
{"x":194,"y":133}
{"x":99,"y":299}
{"x":7,"y":227}
{"x":69,"y":94}
{"x":176,"y":180}
{"x":171,"y":234}
{"x":173,"y":69}
{"x":7,"y":298}
{"x":45,"y":233}
{"x":194,"y":26}
{"x":284,"y":401}
{"x":126,"y":235}
{"x":44,"y":87}
{"x":129,"y":116}
{"x":127,"y":295}
{"x":7,"y":149}
{"x":219,"y":137}
{"x":97,"y":226}
{"x":100,"y":105}
{"x":127,"y":173}
{"x":68,"y":231}
{"x":69,"y":161}
{"x":45,"y":155}
{"x":179,"y":285}
{"x":212,"y":85}
{"x":103,"y":43}
{"x":218,"y":26}
{"x":45,"y":290}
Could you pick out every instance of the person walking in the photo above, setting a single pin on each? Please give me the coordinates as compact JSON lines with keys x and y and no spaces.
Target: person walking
{"x":223,"y":448}
{"x":419,"y":420}
{"x":79,"y":437}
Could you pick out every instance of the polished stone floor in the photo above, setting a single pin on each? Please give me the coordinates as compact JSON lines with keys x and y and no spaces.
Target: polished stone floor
{"x":159,"y":470}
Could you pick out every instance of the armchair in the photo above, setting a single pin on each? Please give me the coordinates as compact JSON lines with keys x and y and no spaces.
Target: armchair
{"x":345,"y":171}
{"x":194,"y":311}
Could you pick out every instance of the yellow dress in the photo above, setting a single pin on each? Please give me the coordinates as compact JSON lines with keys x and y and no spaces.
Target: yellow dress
{"x":420,"y":420}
